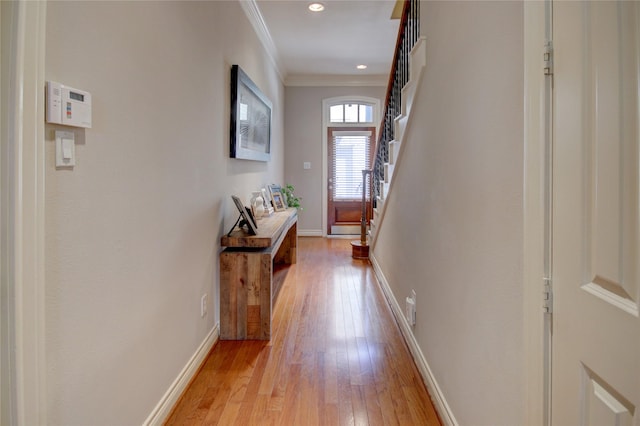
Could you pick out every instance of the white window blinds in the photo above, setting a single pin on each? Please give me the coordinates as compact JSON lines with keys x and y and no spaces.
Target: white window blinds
{"x":350,"y":156}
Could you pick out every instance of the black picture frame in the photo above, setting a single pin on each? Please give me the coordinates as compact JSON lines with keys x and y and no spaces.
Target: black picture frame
{"x":250,"y":119}
{"x":246,"y":218}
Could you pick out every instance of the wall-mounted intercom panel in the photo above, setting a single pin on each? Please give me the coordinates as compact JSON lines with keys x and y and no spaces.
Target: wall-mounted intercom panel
{"x":68,"y":106}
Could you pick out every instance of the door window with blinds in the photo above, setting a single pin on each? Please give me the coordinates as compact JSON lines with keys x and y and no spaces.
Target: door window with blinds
{"x":351,"y":155}
{"x":350,"y":151}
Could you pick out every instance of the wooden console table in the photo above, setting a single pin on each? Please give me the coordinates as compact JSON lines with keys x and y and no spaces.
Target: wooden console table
{"x":246,"y":275}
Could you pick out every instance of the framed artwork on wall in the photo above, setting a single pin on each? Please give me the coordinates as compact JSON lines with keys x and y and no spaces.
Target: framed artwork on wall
{"x":250,"y":126}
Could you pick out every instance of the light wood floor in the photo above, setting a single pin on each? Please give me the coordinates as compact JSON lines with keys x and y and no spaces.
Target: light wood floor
{"x":336,"y":356}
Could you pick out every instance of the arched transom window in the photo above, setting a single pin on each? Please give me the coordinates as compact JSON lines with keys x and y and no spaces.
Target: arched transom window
{"x":360,"y":113}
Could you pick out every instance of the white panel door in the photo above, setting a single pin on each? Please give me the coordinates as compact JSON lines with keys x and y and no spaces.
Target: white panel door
{"x":596,"y":218}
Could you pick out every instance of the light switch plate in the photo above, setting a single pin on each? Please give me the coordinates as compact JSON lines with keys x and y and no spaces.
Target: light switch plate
{"x":65,"y":149}
{"x":306,"y":165}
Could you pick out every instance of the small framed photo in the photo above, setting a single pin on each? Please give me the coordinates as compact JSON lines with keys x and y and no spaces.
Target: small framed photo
{"x":266,"y":197}
{"x":278,"y":201}
{"x":246,"y":218}
{"x":273,"y":188}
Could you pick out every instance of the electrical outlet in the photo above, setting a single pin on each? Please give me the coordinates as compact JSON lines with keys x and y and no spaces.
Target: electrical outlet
{"x":410,"y":310}
{"x":203,"y":305}
{"x":415,"y":307}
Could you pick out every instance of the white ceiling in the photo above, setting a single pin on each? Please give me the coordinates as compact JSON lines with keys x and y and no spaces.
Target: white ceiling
{"x":313,"y":47}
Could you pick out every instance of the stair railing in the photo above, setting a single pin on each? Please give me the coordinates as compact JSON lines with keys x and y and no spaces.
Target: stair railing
{"x":408,"y":34}
{"x":364,"y":213}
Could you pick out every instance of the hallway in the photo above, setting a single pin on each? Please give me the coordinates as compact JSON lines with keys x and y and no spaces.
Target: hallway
{"x":336,"y":356}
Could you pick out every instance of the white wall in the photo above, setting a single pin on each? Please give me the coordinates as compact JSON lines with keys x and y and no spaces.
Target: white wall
{"x":132,"y":233}
{"x":7,"y":405}
{"x":453,"y":229}
{"x":303,"y":135}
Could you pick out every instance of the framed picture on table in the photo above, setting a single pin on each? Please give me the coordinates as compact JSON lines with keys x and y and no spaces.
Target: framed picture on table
{"x":273,"y":188}
{"x":278,"y":201}
{"x":246,"y":217}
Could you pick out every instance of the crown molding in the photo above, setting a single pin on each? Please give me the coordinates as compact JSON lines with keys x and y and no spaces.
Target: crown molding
{"x":252,"y":11}
{"x":328,"y":80}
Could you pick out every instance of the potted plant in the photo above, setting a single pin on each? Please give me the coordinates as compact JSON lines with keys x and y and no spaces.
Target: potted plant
{"x":292,"y":199}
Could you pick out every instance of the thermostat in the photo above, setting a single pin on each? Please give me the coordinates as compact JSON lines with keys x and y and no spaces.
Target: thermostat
{"x":68,"y":106}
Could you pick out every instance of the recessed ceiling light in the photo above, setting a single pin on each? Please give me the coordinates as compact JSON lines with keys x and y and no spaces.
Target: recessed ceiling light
{"x":362,"y":67}
{"x":316,"y":7}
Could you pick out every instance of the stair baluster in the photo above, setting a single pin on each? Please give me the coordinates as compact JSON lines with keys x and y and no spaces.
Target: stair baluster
{"x":408,"y":35}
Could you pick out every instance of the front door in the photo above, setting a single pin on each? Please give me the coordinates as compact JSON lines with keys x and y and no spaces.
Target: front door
{"x":596,"y":214}
{"x":350,"y":150}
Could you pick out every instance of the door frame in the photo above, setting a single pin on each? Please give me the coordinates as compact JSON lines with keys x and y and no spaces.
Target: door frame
{"x":22,"y":171}
{"x":537,"y":213}
{"x":372,"y":141}
{"x":326,"y":104}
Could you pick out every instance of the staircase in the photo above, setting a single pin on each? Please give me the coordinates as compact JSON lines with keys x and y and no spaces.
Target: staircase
{"x":406,"y":73}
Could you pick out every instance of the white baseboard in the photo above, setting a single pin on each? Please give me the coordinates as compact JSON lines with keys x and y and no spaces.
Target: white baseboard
{"x":310,"y":233}
{"x":438,"y":399}
{"x":170,"y":398}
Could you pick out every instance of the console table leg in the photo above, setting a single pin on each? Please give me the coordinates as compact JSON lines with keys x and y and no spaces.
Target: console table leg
{"x":245,"y":296}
